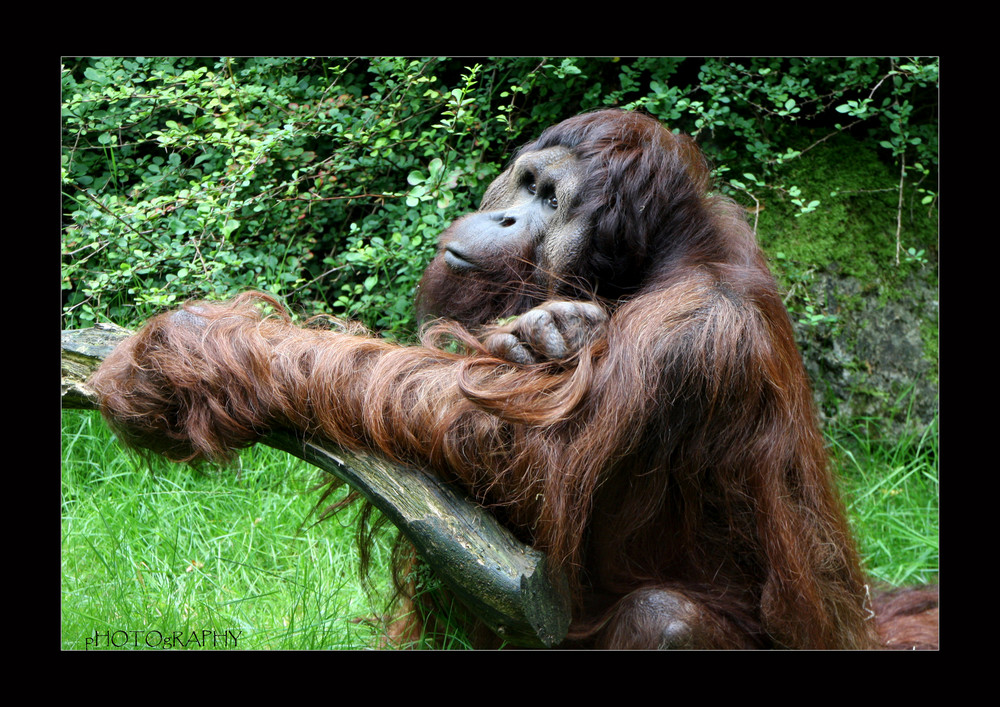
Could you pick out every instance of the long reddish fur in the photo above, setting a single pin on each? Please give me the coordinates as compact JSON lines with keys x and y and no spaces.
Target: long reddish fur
{"x":679,"y":451}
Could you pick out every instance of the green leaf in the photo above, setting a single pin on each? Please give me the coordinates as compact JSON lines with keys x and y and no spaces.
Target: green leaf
{"x":94,"y":75}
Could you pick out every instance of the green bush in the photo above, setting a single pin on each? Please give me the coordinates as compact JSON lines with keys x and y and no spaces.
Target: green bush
{"x":327,"y":181}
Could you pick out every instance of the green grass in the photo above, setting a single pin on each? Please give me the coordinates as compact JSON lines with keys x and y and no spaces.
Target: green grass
{"x":163,"y":551}
{"x":891,"y":491}
{"x":172,"y":551}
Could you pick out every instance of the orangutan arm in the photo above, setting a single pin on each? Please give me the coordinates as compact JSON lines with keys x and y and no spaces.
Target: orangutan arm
{"x":207,"y":380}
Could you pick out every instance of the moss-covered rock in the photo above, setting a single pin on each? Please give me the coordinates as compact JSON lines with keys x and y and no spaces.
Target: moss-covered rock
{"x":867,"y":325}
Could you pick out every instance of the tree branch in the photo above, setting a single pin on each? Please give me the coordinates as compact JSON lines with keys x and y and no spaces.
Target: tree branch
{"x":502,"y":581}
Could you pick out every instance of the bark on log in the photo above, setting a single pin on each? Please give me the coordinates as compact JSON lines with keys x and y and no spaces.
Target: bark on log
{"x":502,"y":581}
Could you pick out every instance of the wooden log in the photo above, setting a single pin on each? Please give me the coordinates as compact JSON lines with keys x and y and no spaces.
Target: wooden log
{"x":502,"y":581}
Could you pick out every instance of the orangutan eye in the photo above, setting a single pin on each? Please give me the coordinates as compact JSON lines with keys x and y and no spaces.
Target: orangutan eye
{"x":532,"y":187}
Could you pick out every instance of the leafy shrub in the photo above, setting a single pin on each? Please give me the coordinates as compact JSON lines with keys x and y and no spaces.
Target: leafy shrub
{"x":326,"y":181}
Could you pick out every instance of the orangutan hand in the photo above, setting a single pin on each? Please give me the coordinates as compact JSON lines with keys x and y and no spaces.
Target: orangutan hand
{"x":553,"y":331}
